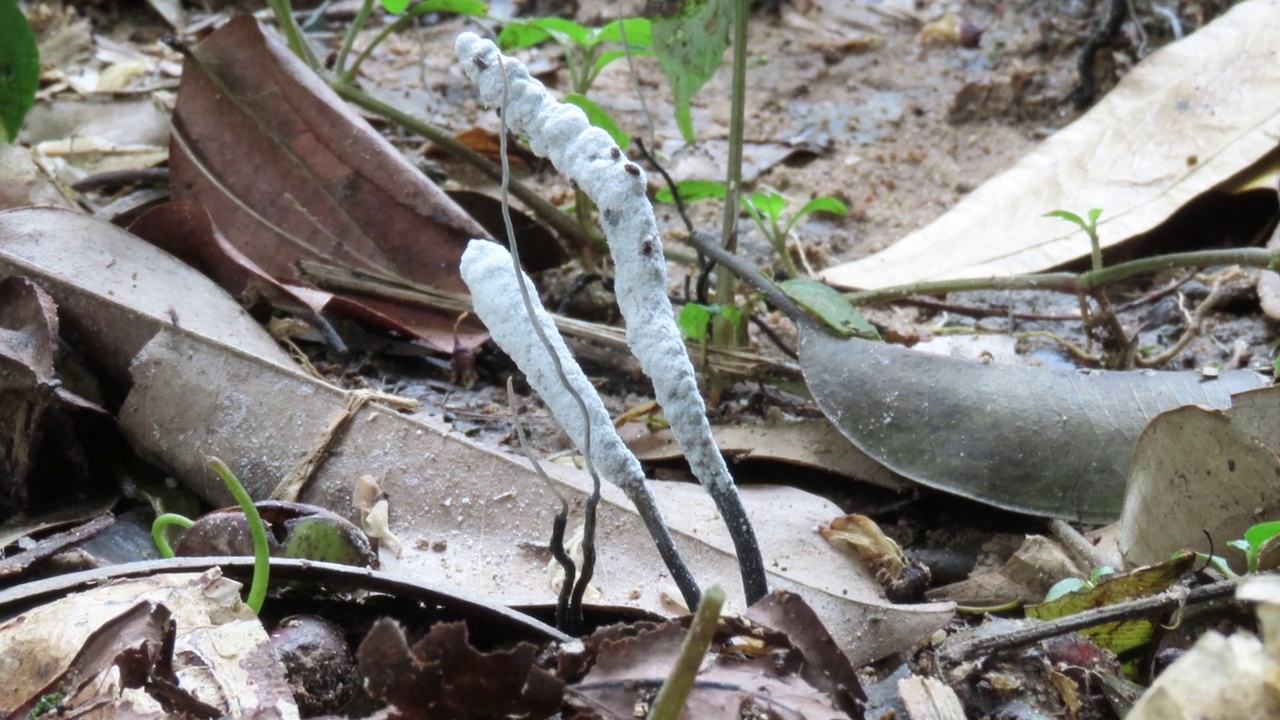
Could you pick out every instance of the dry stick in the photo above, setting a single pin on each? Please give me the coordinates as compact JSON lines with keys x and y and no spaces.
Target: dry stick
{"x":1073,"y":283}
{"x":962,"y":650}
{"x":589,"y":157}
{"x":1076,"y":543}
{"x":593,"y":500}
{"x":1194,"y":323}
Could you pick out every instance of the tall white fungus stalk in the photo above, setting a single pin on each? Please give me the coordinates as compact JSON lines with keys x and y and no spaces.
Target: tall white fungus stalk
{"x":589,"y":157}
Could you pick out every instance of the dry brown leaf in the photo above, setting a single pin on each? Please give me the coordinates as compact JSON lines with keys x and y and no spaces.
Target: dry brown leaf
{"x":287,"y":171}
{"x":185,"y":230}
{"x":1184,"y":121}
{"x":221,"y":649}
{"x":628,"y":671}
{"x":1198,"y":471}
{"x":442,"y":675}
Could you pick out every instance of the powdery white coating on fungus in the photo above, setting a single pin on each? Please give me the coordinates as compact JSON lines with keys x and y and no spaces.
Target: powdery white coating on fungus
{"x":588,"y":156}
{"x":488,"y":272}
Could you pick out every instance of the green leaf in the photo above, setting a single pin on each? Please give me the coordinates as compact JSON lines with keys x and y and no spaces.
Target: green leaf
{"x":598,"y":117}
{"x":1094,"y":214}
{"x":1069,"y":217}
{"x":693,"y":191}
{"x":611,"y":55}
{"x":770,"y":204}
{"x":1100,"y":572}
{"x":1259,"y":534}
{"x":564,"y":28}
{"x":824,"y":204}
{"x":689,"y":38}
{"x":1066,"y":586}
{"x":474,"y":8}
{"x":819,"y":204}
{"x":639,"y":33}
{"x":693,"y":321}
{"x":830,"y":307}
{"x":518,"y":35}
{"x":1241,"y":545}
{"x":19,"y":69}
{"x":733,"y":315}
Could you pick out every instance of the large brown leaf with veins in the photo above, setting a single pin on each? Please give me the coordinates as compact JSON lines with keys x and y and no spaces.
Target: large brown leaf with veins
{"x":288,"y":171}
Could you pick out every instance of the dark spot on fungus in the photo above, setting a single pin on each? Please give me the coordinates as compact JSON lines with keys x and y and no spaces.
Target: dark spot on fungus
{"x":646,"y":248}
{"x":615,"y":153}
{"x":610,"y":216}
{"x":632,"y":169}
{"x":480,"y":63}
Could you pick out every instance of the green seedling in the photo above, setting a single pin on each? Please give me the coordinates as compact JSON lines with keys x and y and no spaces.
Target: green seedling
{"x":261,"y":550}
{"x":584,"y":48}
{"x":695,"y":317}
{"x":765,"y":208}
{"x":1255,"y":539}
{"x":768,"y":206}
{"x":1066,"y":586}
{"x":1090,"y":227}
{"x":19,"y":69}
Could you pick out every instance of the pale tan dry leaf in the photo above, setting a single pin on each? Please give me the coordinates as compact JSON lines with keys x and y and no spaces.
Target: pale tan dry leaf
{"x":1186,"y":119}
{"x":471,"y":517}
{"x":1198,"y":471}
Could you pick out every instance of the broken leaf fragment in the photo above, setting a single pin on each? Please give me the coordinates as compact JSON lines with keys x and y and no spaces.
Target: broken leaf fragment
{"x":443,"y":675}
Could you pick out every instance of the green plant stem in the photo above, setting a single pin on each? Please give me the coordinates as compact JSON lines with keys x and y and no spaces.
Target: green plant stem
{"x":548,"y":213}
{"x":349,"y":75}
{"x":723,"y":332}
{"x":675,"y":690}
{"x":293,"y":34}
{"x":160,"y":529}
{"x":1074,"y":284}
{"x":362,"y":16}
{"x":1095,"y":250}
{"x":261,"y":551}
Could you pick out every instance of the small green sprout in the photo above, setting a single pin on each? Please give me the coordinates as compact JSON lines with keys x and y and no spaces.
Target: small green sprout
{"x":694,"y":319}
{"x":1255,"y":539}
{"x":1066,"y":586}
{"x":1090,"y":228}
{"x":765,"y":208}
{"x":584,"y":52}
{"x":46,"y":704}
{"x":261,"y":550}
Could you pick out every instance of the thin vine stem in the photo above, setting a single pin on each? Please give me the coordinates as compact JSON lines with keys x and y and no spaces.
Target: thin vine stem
{"x":362,"y":16}
{"x":589,"y":520}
